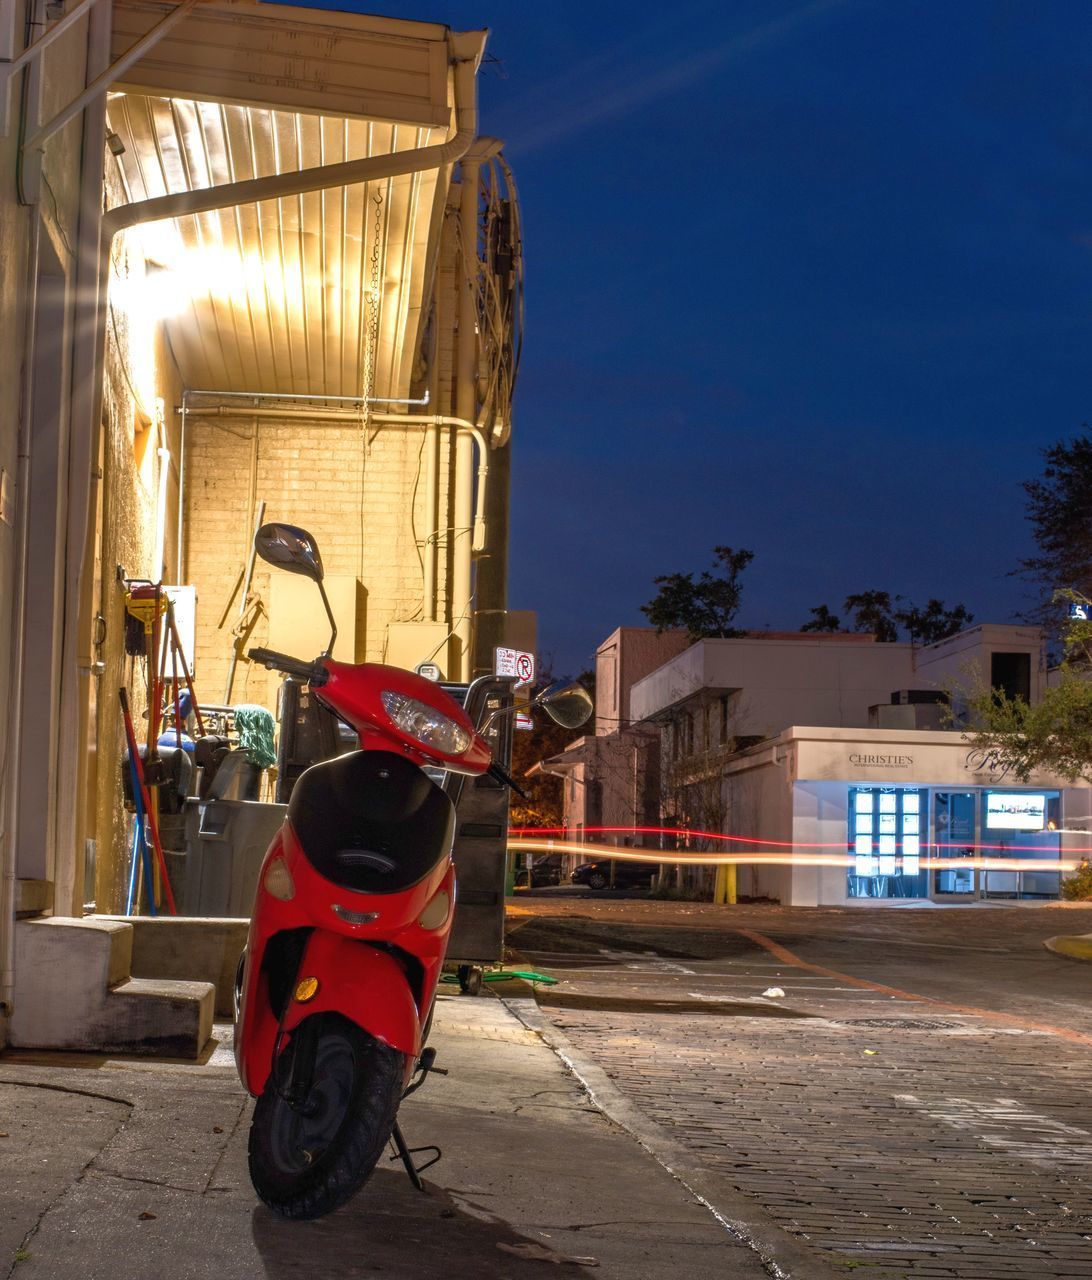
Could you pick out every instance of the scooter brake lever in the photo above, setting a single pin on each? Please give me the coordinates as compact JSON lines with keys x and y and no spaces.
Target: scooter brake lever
{"x":495,"y":771}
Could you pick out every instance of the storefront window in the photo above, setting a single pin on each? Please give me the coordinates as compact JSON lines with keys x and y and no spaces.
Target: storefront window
{"x":993,"y":844}
{"x":1020,"y":829}
{"x":885,"y":834}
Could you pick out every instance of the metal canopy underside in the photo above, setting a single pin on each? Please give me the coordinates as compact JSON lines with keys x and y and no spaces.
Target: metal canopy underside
{"x":278,"y":296}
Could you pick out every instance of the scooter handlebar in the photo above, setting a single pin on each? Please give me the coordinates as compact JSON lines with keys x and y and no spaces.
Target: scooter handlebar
{"x":313,"y":672}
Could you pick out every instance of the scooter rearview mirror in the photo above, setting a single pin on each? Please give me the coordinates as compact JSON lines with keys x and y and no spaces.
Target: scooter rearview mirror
{"x":286,"y":546}
{"x":566,"y":703}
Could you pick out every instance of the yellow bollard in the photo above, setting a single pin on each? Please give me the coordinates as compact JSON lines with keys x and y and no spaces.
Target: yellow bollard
{"x":724,"y":887}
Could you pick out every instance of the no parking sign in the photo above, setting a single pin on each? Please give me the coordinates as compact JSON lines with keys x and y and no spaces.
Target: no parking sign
{"x":515,"y":662}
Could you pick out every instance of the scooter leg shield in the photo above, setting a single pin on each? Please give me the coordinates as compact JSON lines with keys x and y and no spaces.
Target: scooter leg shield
{"x":363,"y":984}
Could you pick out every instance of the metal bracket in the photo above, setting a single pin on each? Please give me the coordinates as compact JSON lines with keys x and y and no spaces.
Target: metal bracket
{"x":11,"y":62}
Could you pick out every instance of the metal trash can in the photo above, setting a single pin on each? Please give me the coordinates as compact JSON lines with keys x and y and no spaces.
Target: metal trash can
{"x":226,"y":843}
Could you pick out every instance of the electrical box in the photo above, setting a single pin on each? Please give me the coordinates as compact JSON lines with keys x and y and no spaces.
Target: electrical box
{"x":297,"y":621}
{"x":411,"y":643}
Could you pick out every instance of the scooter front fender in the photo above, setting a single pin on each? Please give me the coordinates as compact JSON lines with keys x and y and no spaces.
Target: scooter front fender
{"x":363,"y":984}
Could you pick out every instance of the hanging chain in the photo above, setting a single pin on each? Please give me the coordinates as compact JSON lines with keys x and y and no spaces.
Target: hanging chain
{"x":371,"y":353}
{"x":371,"y":349}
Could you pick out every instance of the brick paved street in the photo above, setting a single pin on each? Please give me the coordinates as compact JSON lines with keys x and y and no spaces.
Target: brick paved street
{"x":898,"y":1137}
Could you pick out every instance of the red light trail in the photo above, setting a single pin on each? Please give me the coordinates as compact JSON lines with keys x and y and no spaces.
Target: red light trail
{"x":785,"y":852}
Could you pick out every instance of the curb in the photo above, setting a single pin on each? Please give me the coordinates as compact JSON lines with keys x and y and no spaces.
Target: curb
{"x":784,"y":1257}
{"x":1076,"y":946}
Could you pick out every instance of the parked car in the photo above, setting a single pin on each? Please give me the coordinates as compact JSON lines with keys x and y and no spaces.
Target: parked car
{"x":627,"y":875}
{"x":544,"y":871}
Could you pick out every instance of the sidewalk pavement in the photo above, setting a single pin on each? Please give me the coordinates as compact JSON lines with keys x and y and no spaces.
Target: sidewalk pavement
{"x":1078,"y":946}
{"x":116,"y":1169}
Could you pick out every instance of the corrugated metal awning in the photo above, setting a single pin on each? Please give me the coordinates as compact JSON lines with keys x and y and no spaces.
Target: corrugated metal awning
{"x":282,"y":296}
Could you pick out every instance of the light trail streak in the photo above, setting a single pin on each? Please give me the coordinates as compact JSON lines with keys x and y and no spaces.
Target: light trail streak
{"x":1077,"y":851}
{"x":786,"y":857}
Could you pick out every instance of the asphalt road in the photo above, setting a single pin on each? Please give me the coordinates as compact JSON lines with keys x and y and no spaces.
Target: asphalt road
{"x":916,"y":1104}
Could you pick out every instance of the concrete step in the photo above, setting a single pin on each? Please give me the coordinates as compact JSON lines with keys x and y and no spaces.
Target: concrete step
{"x":73,"y":990}
{"x":190,"y":948}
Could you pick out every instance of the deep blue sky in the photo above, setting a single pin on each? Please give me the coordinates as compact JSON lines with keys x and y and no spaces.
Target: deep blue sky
{"x":809,"y":278}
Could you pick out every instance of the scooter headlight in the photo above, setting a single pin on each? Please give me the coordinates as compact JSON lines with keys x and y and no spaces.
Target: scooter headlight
{"x":425,"y":724}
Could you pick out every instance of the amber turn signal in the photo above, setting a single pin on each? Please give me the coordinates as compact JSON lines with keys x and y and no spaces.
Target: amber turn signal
{"x":436,"y":913}
{"x":306,"y":989}
{"x":278,"y":881}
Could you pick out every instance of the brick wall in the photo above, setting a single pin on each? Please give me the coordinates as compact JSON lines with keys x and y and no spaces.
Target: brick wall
{"x":363,"y":501}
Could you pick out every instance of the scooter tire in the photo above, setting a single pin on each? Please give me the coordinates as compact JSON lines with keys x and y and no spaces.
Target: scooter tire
{"x":304,"y":1166}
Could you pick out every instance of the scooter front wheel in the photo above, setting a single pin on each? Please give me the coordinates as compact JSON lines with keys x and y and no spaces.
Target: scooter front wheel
{"x":308,"y":1157}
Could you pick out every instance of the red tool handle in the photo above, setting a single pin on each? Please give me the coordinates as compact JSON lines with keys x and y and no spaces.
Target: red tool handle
{"x":138,"y":765}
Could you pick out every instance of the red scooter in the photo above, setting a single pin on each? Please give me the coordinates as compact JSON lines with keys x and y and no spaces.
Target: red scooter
{"x":354,"y":908}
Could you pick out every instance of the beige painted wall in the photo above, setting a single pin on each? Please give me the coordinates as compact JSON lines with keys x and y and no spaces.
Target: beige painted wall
{"x":139,"y":371}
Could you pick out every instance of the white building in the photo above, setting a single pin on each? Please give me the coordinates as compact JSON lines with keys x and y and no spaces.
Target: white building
{"x":829,"y":757}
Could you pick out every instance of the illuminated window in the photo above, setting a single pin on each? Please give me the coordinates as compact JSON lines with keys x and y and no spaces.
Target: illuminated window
{"x":885,"y":843}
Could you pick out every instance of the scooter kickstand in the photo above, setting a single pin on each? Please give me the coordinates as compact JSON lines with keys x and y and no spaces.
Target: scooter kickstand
{"x":406,"y":1154}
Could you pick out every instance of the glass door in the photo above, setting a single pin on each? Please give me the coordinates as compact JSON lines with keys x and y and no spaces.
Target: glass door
{"x":954,"y":832}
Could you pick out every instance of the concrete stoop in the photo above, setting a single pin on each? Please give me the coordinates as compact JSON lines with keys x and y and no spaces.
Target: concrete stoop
{"x":189,"y":948}
{"x":74,"y":990}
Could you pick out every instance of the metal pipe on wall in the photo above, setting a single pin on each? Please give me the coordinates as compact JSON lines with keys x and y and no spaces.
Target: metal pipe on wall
{"x":474,"y":492}
{"x":431,"y":549}
{"x":466,"y":353}
{"x":348,"y":173}
{"x":432,"y":488}
{"x":179,"y":560}
{"x":474,"y":523}
{"x":300,"y":395}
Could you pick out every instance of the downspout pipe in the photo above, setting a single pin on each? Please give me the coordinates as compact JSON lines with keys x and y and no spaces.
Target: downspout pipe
{"x":466,"y":406}
{"x":321,"y":177}
{"x":468,"y":431}
{"x":179,"y":557}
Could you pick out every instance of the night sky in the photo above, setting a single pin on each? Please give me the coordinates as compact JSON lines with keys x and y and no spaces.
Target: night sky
{"x":808,"y":278}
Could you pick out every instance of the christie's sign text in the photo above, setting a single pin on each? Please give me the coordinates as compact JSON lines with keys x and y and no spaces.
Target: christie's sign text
{"x":863,"y":761}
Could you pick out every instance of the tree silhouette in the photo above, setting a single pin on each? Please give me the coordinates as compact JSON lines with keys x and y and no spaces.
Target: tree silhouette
{"x":934,"y":622}
{"x":871,"y":611}
{"x":1059,"y":509}
{"x":704,"y":608}
{"x":822,"y":620}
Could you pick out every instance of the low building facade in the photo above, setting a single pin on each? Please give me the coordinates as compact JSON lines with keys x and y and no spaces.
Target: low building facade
{"x":872,"y":817}
{"x":879,"y":797}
